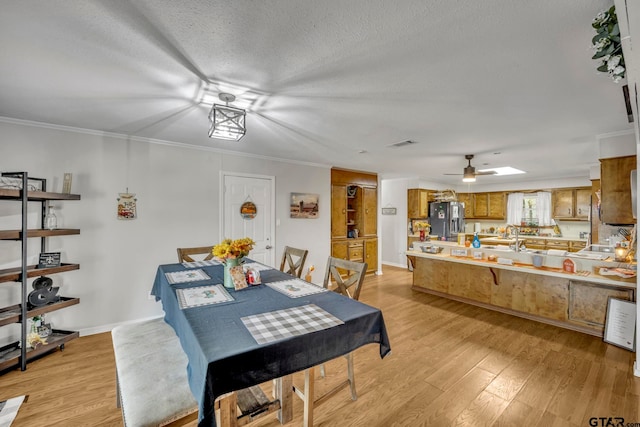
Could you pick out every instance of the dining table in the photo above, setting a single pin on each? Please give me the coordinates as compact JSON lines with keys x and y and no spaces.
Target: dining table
{"x":236,"y":339}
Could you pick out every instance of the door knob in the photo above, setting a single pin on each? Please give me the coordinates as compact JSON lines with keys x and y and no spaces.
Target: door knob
{"x":268,"y":247}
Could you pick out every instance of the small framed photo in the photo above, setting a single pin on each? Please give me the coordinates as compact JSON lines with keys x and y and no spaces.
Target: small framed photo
{"x":620,"y":323}
{"x":66,"y":183}
{"x":389,"y":211}
{"x":304,"y":205}
{"x":49,"y":260}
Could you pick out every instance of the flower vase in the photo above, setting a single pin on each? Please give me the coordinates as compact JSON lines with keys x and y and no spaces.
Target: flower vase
{"x":422,"y":235}
{"x":228,"y":280}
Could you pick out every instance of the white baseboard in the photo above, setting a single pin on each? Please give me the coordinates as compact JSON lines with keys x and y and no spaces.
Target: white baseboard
{"x":108,"y":328}
{"x":393,"y":264}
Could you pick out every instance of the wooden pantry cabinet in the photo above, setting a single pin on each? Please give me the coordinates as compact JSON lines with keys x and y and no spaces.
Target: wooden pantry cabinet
{"x":354,"y":216}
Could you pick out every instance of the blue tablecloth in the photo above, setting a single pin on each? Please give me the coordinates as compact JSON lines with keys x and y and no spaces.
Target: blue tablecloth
{"x":223,"y":356}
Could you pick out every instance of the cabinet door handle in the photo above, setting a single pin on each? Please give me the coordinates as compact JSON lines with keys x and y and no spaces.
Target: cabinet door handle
{"x":344,"y":211}
{"x":366,"y":211}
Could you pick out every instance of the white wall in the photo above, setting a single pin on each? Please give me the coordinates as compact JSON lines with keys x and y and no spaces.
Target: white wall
{"x":178,"y":205}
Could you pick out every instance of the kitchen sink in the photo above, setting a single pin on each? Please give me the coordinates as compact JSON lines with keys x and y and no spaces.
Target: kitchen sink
{"x":599,"y":248}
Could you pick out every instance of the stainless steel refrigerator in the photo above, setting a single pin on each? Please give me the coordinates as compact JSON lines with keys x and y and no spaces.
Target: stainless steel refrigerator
{"x":446,"y":219}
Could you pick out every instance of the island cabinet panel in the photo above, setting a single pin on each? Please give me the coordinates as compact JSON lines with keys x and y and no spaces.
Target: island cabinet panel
{"x":588,"y":302}
{"x":532,"y":294}
{"x":470,"y":282}
{"x":433,"y":275}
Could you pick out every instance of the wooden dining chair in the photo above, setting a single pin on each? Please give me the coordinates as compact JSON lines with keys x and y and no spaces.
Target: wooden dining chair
{"x":348,"y":277}
{"x":293,"y":261}
{"x":184,"y":254}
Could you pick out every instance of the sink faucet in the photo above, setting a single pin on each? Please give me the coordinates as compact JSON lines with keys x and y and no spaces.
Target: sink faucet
{"x":508,"y":230}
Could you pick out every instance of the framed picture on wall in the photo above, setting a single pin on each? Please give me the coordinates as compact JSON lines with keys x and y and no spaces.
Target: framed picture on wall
{"x":304,"y":205}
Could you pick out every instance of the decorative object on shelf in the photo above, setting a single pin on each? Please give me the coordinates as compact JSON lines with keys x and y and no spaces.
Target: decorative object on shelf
{"x":230,"y":253}
{"x":66,"y":183}
{"x":304,"y":205}
{"x":422,"y":227}
{"x":227,"y":122}
{"x":127,"y":205}
{"x":50,"y":219}
{"x":606,"y":44}
{"x":248,"y":210}
{"x":447,"y":195}
{"x":43,"y":292}
{"x":49,"y":260}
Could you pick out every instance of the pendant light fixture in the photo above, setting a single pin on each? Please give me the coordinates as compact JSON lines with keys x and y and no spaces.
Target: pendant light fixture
{"x":227,"y":122}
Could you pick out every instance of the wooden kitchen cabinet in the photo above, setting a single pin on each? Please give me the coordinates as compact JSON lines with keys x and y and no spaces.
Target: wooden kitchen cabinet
{"x":488,"y":205}
{"x":339,"y":211}
{"x":571,"y":203}
{"x":615,"y":187}
{"x":369,"y":217}
{"x":467,"y":199}
{"x":371,"y":254}
{"x":418,"y":202}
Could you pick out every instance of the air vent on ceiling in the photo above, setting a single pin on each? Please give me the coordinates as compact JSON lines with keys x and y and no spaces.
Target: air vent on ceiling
{"x":403,"y":143}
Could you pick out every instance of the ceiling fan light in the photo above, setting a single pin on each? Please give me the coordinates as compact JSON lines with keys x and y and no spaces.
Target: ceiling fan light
{"x":227,"y":122}
{"x":469,"y":178}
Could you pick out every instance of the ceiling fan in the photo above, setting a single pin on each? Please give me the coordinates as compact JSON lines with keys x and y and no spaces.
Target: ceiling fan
{"x":469,"y":174}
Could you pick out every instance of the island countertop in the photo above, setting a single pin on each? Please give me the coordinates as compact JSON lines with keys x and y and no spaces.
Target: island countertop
{"x":587,"y":270}
{"x":512,"y":285}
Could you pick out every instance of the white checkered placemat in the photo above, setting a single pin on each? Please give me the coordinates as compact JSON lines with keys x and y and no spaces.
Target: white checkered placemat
{"x":207,"y":263}
{"x":186,"y":276}
{"x":280,"y":324}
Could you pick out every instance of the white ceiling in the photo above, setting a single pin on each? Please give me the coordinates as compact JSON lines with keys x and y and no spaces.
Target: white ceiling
{"x":323,"y":80}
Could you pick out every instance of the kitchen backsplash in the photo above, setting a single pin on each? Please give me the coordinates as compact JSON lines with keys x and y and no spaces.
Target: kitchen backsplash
{"x":572,"y":229}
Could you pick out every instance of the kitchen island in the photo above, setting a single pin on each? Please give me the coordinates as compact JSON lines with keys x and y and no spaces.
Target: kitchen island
{"x":511,"y":284}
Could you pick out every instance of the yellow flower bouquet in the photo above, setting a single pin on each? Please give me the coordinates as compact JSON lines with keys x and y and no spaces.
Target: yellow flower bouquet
{"x":421,"y":225}
{"x":233,"y":249}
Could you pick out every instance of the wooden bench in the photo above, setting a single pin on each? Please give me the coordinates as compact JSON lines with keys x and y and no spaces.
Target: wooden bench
{"x":151,"y":375}
{"x":152,"y":384}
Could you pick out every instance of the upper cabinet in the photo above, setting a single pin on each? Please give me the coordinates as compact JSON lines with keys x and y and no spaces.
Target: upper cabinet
{"x":467,"y":199}
{"x":484,"y":205}
{"x":571,"y":203}
{"x":418,"y":202}
{"x":489,"y":205}
{"x":615,"y":187}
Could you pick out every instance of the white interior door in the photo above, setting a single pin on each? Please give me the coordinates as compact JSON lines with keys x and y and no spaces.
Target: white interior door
{"x":238,"y":189}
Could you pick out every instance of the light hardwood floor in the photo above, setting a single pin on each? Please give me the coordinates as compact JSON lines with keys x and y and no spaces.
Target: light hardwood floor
{"x":451,"y":364}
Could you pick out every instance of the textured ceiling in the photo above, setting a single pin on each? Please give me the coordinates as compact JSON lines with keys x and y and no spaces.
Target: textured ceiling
{"x":324,"y":80}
